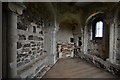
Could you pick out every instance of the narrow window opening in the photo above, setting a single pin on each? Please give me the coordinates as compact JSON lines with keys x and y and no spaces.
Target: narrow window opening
{"x":34,"y":29}
{"x":79,"y":38}
{"x":72,"y":40}
{"x":99,"y":29}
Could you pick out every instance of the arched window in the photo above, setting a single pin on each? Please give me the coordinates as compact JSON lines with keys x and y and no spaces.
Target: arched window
{"x":98,"y":26}
{"x":99,"y":29}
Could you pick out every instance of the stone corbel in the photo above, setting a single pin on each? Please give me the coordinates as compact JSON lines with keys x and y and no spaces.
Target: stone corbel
{"x":16,"y":7}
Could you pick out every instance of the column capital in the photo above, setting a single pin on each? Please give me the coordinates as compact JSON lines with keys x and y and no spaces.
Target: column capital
{"x":16,"y":7}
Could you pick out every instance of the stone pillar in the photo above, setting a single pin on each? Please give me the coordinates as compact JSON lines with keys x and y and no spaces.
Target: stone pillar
{"x":111,"y":23}
{"x":50,"y":38}
{"x":111,"y":43}
{"x":54,"y":44}
{"x":14,"y":10}
{"x":85,"y":40}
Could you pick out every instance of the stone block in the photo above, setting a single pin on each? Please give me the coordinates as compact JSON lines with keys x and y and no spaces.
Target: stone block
{"x":26,"y":45}
{"x":32,"y":42}
{"x":21,"y":37}
{"x":30,"y":37}
{"x":20,"y":64}
{"x":27,"y":61}
{"x":18,"y":59}
{"x":41,"y":32}
{"x":19,"y":45}
{"x":33,"y":45}
{"x":33,"y":48}
{"x":32,"y":57}
{"x":29,"y":52}
{"x":21,"y":26}
{"x":40,"y":38}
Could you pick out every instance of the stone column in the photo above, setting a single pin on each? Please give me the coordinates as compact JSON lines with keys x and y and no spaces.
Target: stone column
{"x":14,"y":9}
{"x":85,"y":40}
{"x":50,"y":38}
{"x":111,"y":24}
{"x":54,"y":44}
{"x":111,"y":43}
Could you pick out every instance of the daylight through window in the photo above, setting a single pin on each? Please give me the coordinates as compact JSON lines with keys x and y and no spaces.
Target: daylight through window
{"x":99,"y":29}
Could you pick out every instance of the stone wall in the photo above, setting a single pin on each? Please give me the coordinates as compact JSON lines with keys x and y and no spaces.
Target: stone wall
{"x":117,"y":33}
{"x":100,"y":63}
{"x":118,"y":46}
{"x":98,"y":47}
{"x":31,"y":57}
{"x":67,"y":32}
{"x":65,"y":50}
{"x":103,"y":53}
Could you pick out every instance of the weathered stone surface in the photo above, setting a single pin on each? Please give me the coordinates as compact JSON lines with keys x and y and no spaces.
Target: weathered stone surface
{"x":65,"y":49}
{"x":33,"y":48}
{"x":41,"y":32}
{"x":34,"y":29}
{"x":30,"y":37}
{"x":21,"y":26}
{"x":26,"y":45}
{"x":18,"y":60}
{"x":22,"y":37}
{"x":32,"y":45}
{"x":19,"y":64}
{"x":25,"y":49}
{"x":30,"y":50}
{"x":19,"y":45}
{"x":100,"y":63}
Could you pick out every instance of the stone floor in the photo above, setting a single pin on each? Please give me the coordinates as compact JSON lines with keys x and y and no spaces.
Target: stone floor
{"x":76,"y":68}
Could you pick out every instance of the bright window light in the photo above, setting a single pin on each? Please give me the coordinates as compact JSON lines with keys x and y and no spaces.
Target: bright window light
{"x":99,"y":29}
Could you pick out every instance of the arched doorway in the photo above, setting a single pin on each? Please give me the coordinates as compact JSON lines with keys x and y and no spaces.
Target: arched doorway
{"x":65,"y":38}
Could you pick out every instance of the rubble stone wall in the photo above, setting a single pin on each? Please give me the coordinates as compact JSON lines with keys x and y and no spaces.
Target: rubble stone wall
{"x":100,"y":63}
{"x":30,"y":50}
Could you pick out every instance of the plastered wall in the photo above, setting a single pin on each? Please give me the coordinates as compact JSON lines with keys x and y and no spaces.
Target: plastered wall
{"x":64,"y":34}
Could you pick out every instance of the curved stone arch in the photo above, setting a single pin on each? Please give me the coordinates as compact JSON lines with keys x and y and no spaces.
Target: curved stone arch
{"x":91,"y":18}
{"x":70,"y":19}
{"x":94,"y":16}
{"x":52,"y":13}
{"x":69,"y":22}
{"x":88,"y":24}
{"x":65,"y":21}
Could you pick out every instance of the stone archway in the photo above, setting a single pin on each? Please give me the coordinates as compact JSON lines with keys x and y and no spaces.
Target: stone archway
{"x":88,"y":24}
{"x":97,"y":47}
{"x":65,"y":38}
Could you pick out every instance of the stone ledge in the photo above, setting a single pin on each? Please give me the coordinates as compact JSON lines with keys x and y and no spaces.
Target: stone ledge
{"x":30,"y":65}
{"x":114,"y":69}
{"x":27,"y":33}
